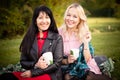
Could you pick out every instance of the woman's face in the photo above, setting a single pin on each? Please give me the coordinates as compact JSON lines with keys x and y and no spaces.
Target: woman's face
{"x":43,"y":21}
{"x":72,"y":18}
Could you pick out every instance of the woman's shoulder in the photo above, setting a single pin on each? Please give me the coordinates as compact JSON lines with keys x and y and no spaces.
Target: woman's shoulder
{"x":61,"y":30}
{"x":53,"y":35}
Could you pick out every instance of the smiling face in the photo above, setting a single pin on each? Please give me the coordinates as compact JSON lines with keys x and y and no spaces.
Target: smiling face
{"x":72,"y":18}
{"x":43,"y":21}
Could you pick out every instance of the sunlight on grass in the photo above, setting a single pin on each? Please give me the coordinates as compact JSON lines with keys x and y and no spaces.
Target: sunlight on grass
{"x":102,"y":20}
{"x":104,"y":24}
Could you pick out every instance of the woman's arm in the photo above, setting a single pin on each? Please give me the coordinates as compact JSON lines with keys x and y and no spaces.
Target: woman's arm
{"x":86,"y":51}
{"x":57,"y":55}
{"x":26,"y":61}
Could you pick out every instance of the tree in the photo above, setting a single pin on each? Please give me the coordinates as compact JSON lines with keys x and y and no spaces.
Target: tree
{"x":101,"y":8}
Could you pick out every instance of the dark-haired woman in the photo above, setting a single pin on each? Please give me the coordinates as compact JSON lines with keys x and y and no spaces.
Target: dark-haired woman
{"x":41,"y":37}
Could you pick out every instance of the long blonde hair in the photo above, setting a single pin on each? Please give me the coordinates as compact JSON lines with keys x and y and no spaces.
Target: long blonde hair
{"x":82,"y":26}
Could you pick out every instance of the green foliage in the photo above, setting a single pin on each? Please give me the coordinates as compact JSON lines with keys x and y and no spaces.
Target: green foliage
{"x":11,"y":68}
{"x":101,"y":8}
{"x":15,"y":19}
{"x":12,"y":24}
{"x":117,"y":11}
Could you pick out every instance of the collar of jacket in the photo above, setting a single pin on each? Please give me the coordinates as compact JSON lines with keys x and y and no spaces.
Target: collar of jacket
{"x":48,"y":42}
{"x":52,"y":35}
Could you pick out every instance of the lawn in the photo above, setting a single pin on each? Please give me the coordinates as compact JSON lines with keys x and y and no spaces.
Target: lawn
{"x":108,"y":44}
{"x":105,"y":40}
{"x":9,"y":51}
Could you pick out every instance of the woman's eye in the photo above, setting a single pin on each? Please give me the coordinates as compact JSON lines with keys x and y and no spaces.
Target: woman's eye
{"x":39,"y":17}
{"x":68,"y":14}
{"x":75,"y":16}
{"x":47,"y":17}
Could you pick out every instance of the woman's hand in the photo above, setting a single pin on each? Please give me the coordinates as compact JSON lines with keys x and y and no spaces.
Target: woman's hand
{"x":71,"y":58}
{"x":87,"y":37}
{"x":41,"y":63}
{"x":26,"y":74}
{"x":86,"y":40}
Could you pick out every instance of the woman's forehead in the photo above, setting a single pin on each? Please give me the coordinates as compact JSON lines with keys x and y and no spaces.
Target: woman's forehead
{"x":73,"y":11}
{"x":42,"y":13}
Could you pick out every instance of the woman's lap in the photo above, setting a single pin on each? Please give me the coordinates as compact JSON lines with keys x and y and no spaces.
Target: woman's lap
{"x":41,"y":77}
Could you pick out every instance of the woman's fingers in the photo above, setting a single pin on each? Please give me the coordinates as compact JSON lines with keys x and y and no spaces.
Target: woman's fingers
{"x":41,"y":63}
{"x":71,"y":58}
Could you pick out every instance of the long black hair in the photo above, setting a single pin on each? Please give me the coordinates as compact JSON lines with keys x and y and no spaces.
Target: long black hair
{"x":29,"y":38}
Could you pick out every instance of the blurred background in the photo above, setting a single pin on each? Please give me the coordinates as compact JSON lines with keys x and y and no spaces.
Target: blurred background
{"x":103,"y":20}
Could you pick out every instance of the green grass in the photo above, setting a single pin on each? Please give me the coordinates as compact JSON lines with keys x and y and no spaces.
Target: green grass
{"x":105,"y":40}
{"x":108,"y":43}
{"x":9,"y":51}
{"x":104,"y":24}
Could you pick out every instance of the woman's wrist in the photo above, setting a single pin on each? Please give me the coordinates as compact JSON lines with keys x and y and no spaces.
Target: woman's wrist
{"x":85,"y":48}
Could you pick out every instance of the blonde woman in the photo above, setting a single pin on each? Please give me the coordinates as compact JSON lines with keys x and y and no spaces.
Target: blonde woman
{"x":75,"y":32}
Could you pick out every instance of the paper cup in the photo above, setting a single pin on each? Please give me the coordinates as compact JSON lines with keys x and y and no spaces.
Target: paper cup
{"x":75,"y":52}
{"x":48,"y":57}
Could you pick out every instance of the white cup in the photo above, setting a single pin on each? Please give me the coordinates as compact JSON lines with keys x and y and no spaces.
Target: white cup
{"x":48,"y":57}
{"x":75,"y":52}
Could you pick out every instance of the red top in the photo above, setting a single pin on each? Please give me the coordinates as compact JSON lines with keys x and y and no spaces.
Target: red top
{"x":41,"y":41}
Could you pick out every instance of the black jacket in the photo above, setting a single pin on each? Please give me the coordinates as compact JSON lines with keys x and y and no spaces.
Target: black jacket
{"x":54,"y":44}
